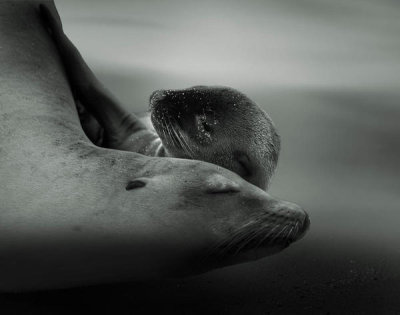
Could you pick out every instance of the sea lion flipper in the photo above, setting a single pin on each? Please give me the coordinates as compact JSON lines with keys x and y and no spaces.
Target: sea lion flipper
{"x":51,"y":19}
{"x":117,"y":122}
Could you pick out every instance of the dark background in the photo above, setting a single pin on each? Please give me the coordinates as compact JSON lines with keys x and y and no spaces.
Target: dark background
{"x":328,"y":73}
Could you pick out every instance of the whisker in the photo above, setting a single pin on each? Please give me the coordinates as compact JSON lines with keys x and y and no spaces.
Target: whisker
{"x":171,"y":136}
{"x":266,"y":236}
{"x":279,"y":233}
{"x":189,"y":149}
{"x":174,"y":135}
{"x":239,"y":236}
{"x":183,"y":144}
{"x":250,"y":237}
{"x":297,"y":228}
{"x":255,"y":234}
{"x":289,"y":234}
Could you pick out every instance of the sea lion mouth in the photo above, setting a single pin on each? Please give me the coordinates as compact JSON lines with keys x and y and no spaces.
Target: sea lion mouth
{"x":259,"y":237}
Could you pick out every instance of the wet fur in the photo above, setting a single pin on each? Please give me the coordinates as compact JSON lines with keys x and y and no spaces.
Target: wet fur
{"x":236,"y":125}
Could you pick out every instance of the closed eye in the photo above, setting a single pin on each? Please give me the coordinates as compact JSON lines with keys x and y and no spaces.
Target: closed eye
{"x":227,"y":190}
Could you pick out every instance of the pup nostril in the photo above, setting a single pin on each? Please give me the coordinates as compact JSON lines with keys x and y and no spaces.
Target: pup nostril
{"x":157,"y":96}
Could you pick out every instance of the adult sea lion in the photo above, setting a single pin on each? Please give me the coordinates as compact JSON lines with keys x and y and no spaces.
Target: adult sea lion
{"x":72,"y":213}
{"x":210,"y":123}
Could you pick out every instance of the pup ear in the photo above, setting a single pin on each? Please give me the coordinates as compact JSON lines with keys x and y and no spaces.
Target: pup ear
{"x":244,"y":162}
{"x":217,"y":184}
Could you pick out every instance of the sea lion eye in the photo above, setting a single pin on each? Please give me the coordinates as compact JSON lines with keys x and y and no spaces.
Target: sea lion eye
{"x":206,"y":127}
{"x":202,"y":123}
{"x":135,"y":184}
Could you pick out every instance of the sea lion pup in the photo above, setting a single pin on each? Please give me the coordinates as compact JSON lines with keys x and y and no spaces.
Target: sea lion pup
{"x":73,"y":214}
{"x":215,"y":124}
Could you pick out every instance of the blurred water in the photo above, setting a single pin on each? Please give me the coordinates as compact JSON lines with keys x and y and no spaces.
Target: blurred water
{"x":328,"y":73}
{"x":342,"y":43}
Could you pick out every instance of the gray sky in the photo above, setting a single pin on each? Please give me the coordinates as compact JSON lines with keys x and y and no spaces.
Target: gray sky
{"x":317,"y":43}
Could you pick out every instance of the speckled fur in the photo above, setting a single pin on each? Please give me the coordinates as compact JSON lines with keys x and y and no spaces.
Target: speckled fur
{"x":236,"y":125}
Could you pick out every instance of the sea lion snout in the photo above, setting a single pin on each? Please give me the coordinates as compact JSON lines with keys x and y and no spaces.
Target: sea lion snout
{"x":293,"y":213}
{"x":267,"y":226}
{"x":156,"y":96}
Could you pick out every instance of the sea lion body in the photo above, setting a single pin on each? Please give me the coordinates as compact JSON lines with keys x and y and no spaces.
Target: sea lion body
{"x":73,"y":214}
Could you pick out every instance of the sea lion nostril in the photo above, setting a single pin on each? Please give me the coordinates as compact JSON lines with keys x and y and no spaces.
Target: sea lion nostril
{"x":157,"y":96}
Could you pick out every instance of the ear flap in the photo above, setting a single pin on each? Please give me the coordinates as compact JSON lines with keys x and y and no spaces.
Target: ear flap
{"x":137,"y":183}
{"x":244,"y":162}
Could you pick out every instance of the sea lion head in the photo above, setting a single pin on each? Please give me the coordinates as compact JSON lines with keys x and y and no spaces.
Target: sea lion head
{"x":212,"y":216}
{"x":219,"y":125}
